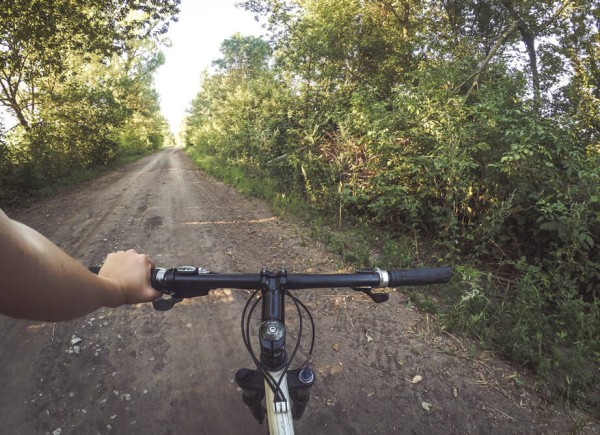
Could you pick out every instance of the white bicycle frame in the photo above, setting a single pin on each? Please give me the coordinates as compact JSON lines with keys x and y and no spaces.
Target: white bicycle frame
{"x":279,"y":414}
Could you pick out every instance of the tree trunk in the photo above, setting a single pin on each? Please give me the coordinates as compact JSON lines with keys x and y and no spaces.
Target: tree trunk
{"x":528,"y":39}
{"x":8,"y":98}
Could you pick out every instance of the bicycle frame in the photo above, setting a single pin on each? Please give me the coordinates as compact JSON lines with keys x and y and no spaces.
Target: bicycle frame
{"x":279,"y":414}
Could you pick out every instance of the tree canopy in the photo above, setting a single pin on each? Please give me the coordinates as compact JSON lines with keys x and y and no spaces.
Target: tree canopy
{"x":77,"y":78}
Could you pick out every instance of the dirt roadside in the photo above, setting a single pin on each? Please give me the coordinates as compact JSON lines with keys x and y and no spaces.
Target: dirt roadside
{"x":135,"y":370}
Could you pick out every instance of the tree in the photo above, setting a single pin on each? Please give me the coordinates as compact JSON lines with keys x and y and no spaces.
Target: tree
{"x":77,"y":76}
{"x":243,"y":55}
{"x":472,"y":122}
{"x":494,"y":25}
{"x":132,"y":81}
{"x":36,"y":37}
{"x":579,"y":99}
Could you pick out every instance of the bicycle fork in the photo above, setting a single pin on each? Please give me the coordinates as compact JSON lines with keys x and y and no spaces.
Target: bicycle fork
{"x":252,"y":384}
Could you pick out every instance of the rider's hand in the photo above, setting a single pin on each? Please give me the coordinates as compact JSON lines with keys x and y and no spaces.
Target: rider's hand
{"x":130,"y":272}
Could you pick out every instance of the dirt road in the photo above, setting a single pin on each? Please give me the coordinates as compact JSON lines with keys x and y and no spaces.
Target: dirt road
{"x":135,"y":370}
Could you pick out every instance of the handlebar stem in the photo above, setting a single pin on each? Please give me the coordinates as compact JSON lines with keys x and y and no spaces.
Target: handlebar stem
{"x":272,"y":331}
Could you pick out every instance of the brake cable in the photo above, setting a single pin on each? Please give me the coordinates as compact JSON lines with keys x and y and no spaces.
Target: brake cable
{"x":246,"y":337}
{"x":312,"y":325}
{"x":291,"y":358}
{"x":275,"y":385}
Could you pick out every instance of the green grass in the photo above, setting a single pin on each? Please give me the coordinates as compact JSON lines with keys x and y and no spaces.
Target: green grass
{"x":249,"y":183}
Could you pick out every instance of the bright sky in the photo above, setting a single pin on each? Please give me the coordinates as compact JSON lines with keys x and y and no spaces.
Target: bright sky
{"x":196,"y":38}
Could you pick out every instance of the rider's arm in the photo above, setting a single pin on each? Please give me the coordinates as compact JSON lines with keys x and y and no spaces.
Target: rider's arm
{"x":39,"y":281}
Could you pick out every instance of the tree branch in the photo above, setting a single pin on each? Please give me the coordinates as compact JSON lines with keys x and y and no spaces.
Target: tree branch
{"x":513,"y":27}
{"x":402,"y":20}
{"x":554,"y":17}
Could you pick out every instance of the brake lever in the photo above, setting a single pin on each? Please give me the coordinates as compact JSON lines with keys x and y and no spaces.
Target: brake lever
{"x":165,"y":304}
{"x":375,"y":297}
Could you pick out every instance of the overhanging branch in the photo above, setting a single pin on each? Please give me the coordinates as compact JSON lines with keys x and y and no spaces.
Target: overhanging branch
{"x":490,"y":55}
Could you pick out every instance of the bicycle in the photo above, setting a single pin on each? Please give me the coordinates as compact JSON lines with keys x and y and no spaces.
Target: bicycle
{"x":285,"y":392}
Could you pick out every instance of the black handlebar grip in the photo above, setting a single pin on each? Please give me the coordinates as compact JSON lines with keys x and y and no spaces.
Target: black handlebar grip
{"x":434,"y":275}
{"x":153,"y":282}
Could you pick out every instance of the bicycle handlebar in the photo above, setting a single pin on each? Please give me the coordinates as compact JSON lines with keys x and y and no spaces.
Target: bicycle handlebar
{"x":272,"y":373}
{"x":189,"y":281}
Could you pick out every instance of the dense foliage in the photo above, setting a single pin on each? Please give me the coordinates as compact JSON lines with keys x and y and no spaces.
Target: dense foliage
{"x":76,"y":86}
{"x":472,"y":123}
